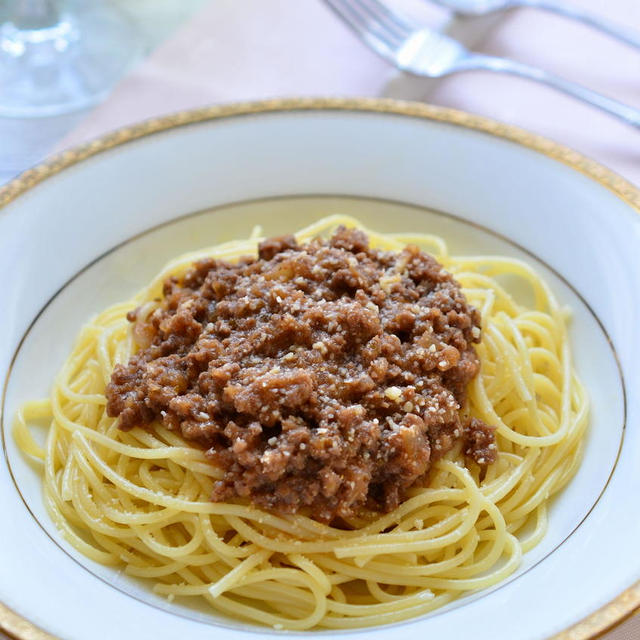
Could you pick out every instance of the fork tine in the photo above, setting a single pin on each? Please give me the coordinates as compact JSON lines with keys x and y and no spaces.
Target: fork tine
{"x":377,"y":34}
{"x":384,"y":16}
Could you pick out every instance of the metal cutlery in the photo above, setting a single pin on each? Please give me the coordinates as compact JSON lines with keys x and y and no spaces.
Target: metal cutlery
{"x":419,"y":50}
{"x":482,"y":7}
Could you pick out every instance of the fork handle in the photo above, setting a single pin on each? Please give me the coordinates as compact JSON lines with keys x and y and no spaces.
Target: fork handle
{"x":628,"y":36}
{"x":624,"y":112}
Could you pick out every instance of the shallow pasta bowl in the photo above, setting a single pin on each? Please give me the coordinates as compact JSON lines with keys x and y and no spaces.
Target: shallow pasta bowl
{"x":93,"y":225}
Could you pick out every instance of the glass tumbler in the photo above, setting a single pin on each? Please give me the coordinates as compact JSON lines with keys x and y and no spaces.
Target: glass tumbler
{"x":57,"y":57}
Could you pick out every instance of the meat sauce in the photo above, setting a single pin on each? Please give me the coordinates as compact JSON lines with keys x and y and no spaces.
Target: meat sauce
{"x":323,"y":378}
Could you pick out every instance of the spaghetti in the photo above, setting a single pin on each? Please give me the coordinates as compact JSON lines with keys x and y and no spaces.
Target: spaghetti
{"x":140,"y":498}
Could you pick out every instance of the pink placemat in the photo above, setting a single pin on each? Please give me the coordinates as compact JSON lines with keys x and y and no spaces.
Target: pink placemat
{"x":268,"y":48}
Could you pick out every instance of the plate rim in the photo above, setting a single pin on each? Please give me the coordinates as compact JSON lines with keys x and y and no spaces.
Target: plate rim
{"x":594,"y":625}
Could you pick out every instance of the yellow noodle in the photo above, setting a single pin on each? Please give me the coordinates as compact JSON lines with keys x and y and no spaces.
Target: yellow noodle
{"x":140,"y":499}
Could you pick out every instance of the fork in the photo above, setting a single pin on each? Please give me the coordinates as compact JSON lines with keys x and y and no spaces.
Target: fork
{"x":422,"y":51}
{"x":482,"y":7}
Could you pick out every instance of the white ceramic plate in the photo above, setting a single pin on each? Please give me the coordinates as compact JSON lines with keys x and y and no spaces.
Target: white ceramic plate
{"x":108,"y":216}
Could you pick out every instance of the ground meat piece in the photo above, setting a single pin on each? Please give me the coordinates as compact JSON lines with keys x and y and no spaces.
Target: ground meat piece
{"x":272,"y":246}
{"x":324,"y":378}
{"x":480,"y":443}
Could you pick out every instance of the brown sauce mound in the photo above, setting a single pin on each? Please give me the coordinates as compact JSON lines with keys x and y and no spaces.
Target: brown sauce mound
{"x":325,"y":377}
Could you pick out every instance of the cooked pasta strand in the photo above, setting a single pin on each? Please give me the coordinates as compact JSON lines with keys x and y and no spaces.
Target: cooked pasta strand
{"x":140,"y":499}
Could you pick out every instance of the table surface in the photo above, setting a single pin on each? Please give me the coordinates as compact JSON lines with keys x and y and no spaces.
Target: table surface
{"x":282,"y":34}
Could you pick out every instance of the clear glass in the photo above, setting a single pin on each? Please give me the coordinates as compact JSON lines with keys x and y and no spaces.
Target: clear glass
{"x":56,"y":59}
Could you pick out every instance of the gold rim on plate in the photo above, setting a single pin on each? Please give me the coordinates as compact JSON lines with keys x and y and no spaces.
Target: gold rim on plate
{"x":593,"y":626}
